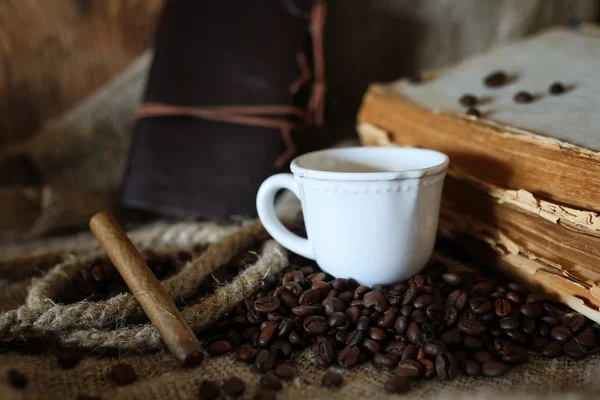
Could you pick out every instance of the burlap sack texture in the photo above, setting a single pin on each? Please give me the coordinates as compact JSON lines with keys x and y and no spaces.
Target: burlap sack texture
{"x":91,"y":325}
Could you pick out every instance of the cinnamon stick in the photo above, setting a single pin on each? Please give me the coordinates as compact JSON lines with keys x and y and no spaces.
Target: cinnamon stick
{"x":157,"y":304}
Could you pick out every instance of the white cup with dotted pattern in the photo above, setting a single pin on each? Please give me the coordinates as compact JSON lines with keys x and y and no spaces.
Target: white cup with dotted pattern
{"x":371,"y":213}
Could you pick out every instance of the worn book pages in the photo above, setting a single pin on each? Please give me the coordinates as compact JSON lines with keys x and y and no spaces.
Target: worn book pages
{"x":559,"y":54}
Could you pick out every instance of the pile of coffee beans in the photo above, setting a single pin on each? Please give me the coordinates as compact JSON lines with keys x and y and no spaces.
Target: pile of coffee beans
{"x":436,"y":324}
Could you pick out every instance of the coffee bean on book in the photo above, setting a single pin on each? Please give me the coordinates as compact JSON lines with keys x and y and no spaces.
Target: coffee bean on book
{"x":556,"y":88}
{"x":467,"y":100}
{"x":495,"y":79}
{"x":523,"y":97}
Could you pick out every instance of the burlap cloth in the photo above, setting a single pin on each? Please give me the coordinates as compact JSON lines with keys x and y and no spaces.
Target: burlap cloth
{"x":159,"y":377}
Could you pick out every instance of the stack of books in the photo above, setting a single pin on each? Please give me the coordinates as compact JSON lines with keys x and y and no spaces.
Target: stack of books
{"x":521,"y":125}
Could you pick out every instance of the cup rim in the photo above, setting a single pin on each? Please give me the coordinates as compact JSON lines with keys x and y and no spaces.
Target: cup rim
{"x":310,"y":173}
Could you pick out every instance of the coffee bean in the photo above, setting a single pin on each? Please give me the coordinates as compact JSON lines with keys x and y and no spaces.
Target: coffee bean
{"x":16,"y":379}
{"x":410,"y":352}
{"x":452,"y":279}
{"x":471,"y":368}
{"x":409,"y":296}
{"x":348,"y":357}
{"x":450,"y":316}
{"x":208,"y":390}
{"x":394,"y":297}
{"x":560,"y":334}
{"x":409,"y":369}
{"x":352,"y":314}
{"x":123,"y":374}
{"x":283,"y":348}
{"x":468,"y":100}
{"x":502,"y":308}
{"x":333,"y":305}
{"x":576,"y":323}
{"x":514,"y":297}
{"x":473,"y":112}
{"x":69,"y":357}
{"x":246,"y":353}
{"x":270,"y":381}
{"x":306,"y":311}
{"x":338,"y":319}
{"x":264,"y":361}
{"x":419,"y":316}
{"x":294,"y":287}
{"x":516,"y":335}
{"x":332,"y":379}
{"x":289,"y":300}
{"x":436,"y":312}
{"x":371,"y":346}
{"x":395,"y":349}
{"x":322,"y":287}
{"x":472,"y":343}
{"x":543,"y":330}
{"x":384,"y":360}
{"x":376,"y":300}
{"x":451,"y":338}
{"x":332,"y":294}
{"x":552,"y":350}
{"x":296,"y":276}
{"x":532,"y":310}
{"x":341,"y":336}
{"x":423,"y":301}
{"x":471,"y":327}
{"x":551,"y":320}
{"x":223,"y":346}
{"x":309,"y":297}
{"x":398,"y":384}
{"x":266,"y":304}
{"x":483,"y":356}
{"x":446,"y":366}
{"x":315,"y":324}
{"x":457,"y":299}
{"x":267,"y":284}
{"x":325,"y":351}
{"x":432,"y":349}
{"x":345,"y":297}
{"x":528,"y":325}
{"x":495,"y":79}
{"x":587,"y":339}
{"x":376,"y":333}
{"x":387,"y":320}
{"x":480,"y":305}
{"x":285,"y":371}
{"x":317,"y":276}
{"x":509,"y":323}
{"x":360,"y":292}
{"x":265,"y":394}
{"x":234,"y":386}
{"x":401,"y":324}
{"x":363,"y":323}
{"x":539,"y":342}
{"x":556,"y":88}
{"x":355,"y":338}
{"x":574,"y":350}
{"x":494,"y":369}
{"x":414,"y":334}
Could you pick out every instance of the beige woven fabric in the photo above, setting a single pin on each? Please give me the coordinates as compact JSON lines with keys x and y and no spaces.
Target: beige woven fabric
{"x":160,"y":378}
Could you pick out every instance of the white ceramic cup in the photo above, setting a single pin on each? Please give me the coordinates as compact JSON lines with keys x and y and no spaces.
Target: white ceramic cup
{"x":371,"y":213}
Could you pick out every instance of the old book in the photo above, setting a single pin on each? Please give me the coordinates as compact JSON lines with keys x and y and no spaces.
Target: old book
{"x":535,"y":273}
{"x":549,"y":147}
{"x":554,"y":239}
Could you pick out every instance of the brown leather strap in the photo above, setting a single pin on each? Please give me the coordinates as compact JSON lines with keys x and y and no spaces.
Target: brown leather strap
{"x":259,"y":115}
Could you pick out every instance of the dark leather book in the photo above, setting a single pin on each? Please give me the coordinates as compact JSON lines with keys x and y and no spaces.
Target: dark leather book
{"x":235,"y":91}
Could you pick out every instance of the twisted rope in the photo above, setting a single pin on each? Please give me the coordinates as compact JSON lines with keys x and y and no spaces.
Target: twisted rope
{"x":145,"y":338}
{"x":40,"y":315}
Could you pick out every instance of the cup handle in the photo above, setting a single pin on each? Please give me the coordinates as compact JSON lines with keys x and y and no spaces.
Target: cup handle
{"x":265,"y":205}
